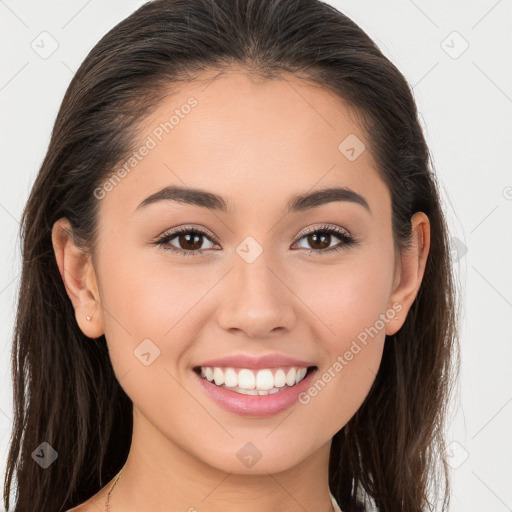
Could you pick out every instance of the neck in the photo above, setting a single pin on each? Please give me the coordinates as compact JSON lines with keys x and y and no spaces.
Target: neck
{"x":160,"y":476}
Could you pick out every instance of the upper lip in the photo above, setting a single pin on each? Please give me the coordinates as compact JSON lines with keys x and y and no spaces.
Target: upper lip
{"x":256,"y":362}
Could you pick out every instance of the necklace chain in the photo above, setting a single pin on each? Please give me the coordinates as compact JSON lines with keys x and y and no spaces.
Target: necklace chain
{"x":107,"y":505}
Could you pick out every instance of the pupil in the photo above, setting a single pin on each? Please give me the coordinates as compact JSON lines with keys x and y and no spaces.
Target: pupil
{"x":187,"y":238}
{"x":314,"y":237}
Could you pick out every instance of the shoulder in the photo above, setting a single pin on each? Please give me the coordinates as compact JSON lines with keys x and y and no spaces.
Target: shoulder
{"x":94,"y":504}
{"x":79,"y":508}
{"x":87,"y":506}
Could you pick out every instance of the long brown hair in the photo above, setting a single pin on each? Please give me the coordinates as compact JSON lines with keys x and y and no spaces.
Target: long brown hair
{"x":392,"y":451}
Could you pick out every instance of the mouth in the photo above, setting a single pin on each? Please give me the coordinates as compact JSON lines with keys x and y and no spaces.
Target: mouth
{"x":250,"y":381}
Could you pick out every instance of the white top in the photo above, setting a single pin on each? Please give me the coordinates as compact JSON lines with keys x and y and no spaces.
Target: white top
{"x":335,"y":503}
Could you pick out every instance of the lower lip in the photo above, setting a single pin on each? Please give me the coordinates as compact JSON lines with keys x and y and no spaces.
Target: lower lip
{"x":256,"y":405}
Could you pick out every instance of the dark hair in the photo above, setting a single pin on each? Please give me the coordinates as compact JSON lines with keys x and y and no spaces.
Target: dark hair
{"x":65,"y":391}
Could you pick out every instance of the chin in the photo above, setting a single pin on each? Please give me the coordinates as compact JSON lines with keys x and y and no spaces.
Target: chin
{"x":249,"y":458}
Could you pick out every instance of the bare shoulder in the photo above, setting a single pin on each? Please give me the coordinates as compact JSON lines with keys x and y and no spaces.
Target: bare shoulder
{"x":80,"y":508}
{"x":87,"y":506}
{"x":94,"y":504}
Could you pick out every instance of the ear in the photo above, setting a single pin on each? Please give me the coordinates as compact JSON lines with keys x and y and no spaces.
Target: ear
{"x":79,"y":277}
{"x":409,"y":271}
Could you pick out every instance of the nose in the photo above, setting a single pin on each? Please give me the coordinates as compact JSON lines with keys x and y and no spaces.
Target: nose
{"x":257,"y":300}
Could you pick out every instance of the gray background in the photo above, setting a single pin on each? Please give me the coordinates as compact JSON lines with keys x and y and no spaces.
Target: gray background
{"x":465,"y":99}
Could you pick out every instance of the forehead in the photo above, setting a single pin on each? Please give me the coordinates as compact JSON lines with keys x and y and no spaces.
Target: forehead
{"x":250,"y":139}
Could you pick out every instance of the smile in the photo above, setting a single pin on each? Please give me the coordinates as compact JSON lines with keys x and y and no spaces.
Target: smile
{"x":247,"y":381}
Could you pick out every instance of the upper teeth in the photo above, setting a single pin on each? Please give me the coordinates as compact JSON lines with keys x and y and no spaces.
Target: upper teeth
{"x":261,"y":380}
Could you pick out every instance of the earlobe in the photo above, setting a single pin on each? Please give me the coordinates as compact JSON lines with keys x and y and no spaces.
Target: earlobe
{"x":410,"y":270}
{"x":77,"y":273}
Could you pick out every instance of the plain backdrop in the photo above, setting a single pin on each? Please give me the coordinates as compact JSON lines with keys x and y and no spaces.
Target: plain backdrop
{"x":457,"y":56}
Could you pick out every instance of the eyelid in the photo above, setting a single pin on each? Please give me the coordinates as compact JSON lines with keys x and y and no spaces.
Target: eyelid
{"x":324,"y":227}
{"x":187,"y":228}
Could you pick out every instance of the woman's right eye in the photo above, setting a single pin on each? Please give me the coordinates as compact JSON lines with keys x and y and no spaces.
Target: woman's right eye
{"x":186,"y":238}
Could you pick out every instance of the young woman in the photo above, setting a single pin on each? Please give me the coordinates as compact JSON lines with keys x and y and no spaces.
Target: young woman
{"x":236,"y":289}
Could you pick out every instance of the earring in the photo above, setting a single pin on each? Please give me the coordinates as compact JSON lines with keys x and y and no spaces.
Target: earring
{"x":88,"y":318}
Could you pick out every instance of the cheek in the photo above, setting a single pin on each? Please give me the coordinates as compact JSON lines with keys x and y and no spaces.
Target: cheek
{"x":149,"y":323}
{"x":143,"y":300}
{"x":352,"y":303}
{"x":342,"y":385}
{"x":147,"y":296}
{"x":350,"y":297}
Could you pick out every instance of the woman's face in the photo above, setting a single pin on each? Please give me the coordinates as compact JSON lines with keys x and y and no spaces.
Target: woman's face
{"x":253,"y":287}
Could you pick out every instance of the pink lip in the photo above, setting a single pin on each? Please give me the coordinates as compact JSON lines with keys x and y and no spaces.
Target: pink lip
{"x":256,"y":405}
{"x":264,"y":361}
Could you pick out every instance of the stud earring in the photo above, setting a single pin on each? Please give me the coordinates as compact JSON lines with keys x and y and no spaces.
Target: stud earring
{"x":88,"y":318}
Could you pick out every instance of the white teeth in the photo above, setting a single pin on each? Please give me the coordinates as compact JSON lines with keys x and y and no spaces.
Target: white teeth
{"x":231,"y":378}
{"x":291,"y":376}
{"x":218,"y":376}
{"x":246,"y":379}
{"x":247,"y":391}
{"x":255,"y":391}
{"x":254,"y":382}
{"x":301,"y":373}
{"x":264,"y":380}
{"x":279,"y":378}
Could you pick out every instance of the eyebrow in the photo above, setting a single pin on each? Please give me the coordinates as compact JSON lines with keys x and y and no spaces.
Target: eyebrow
{"x":298,"y":203}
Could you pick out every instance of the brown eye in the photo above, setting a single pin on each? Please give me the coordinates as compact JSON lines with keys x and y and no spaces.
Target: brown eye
{"x":187,"y":241}
{"x":190,"y":242}
{"x":320,"y":239}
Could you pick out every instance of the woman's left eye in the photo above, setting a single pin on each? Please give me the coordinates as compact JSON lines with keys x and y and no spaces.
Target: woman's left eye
{"x":189,"y":240}
{"x":324,"y":235}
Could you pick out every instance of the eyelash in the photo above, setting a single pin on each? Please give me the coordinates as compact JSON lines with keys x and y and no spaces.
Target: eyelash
{"x":343,"y":235}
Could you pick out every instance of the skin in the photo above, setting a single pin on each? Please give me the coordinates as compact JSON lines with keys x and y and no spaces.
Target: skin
{"x":256,"y":143}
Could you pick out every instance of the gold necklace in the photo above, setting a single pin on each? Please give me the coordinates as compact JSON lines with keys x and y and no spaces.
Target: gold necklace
{"x":107,"y":505}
